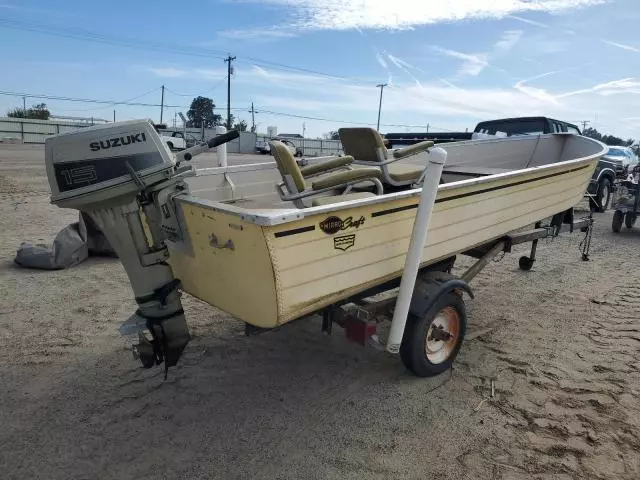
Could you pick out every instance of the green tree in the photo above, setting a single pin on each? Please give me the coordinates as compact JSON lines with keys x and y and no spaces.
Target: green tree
{"x":607,"y":139}
{"x":241,"y":126}
{"x":592,"y":133}
{"x":201,"y":113}
{"x":332,"y":135}
{"x":38,"y":112}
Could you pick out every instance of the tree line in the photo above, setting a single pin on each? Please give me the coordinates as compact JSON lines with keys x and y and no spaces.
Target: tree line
{"x":607,"y":139}
{"x":38,"y":112}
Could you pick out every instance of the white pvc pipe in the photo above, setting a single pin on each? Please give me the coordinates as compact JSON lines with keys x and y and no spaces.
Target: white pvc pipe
{"x":436,"y":160}
{"x":221,"y":150}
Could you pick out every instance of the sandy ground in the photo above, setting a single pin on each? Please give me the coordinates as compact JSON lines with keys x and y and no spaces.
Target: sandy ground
{"x":561,"y":344}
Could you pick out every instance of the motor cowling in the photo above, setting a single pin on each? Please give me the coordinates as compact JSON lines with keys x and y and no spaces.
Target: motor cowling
{"x":105,"y":163}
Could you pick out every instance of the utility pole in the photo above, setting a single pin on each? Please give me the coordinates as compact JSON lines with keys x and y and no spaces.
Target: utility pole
{"x":228,"y":61}
{"x":114,"y":116}
{"x":584,"y":124}
{"x":253,"y":119}
{"x":24,"y":104}
{"x":428,"y":128}
{"x":162,"y":104}
{"x":381,"y":87}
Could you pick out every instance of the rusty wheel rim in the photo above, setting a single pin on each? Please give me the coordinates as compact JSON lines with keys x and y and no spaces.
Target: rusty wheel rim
{"x":442,"y":336}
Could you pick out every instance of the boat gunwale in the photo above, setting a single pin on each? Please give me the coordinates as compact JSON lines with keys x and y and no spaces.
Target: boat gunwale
{"x":278,"y":216}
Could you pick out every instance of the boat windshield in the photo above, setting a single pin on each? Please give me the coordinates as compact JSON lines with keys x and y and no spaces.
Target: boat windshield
{"x":522,"y":127}
{"x":617,"y":152}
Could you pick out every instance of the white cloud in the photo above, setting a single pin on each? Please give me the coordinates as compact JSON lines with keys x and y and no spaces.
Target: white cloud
{"x":289,"y":104}
{"x":614,"y":87}
{"x":169,"y":72}
{"x":382,"y":61}
{"x":262,"y":34}
{"x":472,"y":64}
{"x":537,"y":93}
{"x":413,"y":102}
{"x":400,"y":63}
{"x":403,"y":14}
{"x":528,"y":21}
{"x":622,"y":46}
{"x":507,"y":41}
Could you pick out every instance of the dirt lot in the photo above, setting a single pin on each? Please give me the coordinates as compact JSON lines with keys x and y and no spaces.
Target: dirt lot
{"x":560,"y":342}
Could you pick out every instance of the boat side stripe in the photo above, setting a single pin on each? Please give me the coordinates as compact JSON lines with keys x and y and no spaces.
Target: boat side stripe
{"x":500,"y":187}
{"x":394,"y":210}
{"x":286,"y":233}
{"x":477,"y":192}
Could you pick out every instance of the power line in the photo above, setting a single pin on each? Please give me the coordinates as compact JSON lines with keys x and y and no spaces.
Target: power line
{"x":124,"y":101}
{"x":320,"y":119}
{"x":228,"y":61}
{"x":162,"y":105}
{"x":97,"y":101}
{"x":81,"y":34}
{"x":256,"y":110}
{"x":82,"y":100}
{"x":381,"y":87}
{"x":198,"y":94}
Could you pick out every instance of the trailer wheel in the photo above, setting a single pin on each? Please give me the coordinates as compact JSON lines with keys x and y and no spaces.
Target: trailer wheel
{"x":525,"y":263}
{"x":604,"y":194}
{"x":431,"y":343}
{"x":630,"y":220}
{"x":616,"y":223}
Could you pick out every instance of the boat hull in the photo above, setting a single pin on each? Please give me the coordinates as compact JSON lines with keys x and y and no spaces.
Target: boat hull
{"x":268,"y":275}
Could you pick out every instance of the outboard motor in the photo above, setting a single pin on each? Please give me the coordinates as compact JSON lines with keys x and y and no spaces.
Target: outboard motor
{"x":123,"y":176}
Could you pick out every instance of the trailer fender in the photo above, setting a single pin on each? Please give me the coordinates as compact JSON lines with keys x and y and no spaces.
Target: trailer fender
{"x":430,"y":287}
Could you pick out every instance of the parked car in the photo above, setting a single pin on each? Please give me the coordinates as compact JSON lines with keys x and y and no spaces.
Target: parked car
{"x":614,"y":163}
{"x":262,"y":146}
{"x":622,"y":156}
{"x":173,"y":140}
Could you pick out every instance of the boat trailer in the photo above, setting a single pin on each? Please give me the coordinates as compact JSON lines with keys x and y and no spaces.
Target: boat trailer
{"x":436,"y":300}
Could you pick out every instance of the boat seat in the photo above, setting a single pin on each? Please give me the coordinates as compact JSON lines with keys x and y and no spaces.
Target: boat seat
{"x":333,"y":175}
{"x":401,"y":172}
{"x":367,"y":147}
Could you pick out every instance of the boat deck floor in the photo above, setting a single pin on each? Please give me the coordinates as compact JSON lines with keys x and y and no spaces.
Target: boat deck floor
{"x":272,"y":201}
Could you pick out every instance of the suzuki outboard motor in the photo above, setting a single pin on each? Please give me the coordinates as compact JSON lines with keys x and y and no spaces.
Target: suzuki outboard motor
{"x":123,"y":176}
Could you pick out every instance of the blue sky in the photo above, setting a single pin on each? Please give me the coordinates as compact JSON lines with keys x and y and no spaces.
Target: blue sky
{"x":448,"y":64}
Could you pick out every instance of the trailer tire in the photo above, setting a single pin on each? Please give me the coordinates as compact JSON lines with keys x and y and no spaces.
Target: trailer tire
{"x":629,"y":220}
{"x":616,"y":223}
{"x":421,"y":353}
{"x":604,"y":194}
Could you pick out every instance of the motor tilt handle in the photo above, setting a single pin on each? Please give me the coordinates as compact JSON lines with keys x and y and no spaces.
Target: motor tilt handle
{"x":189,"y":153}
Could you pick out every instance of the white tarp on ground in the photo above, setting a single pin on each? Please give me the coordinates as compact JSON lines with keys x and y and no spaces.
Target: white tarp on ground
{"x":73,"y":244}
